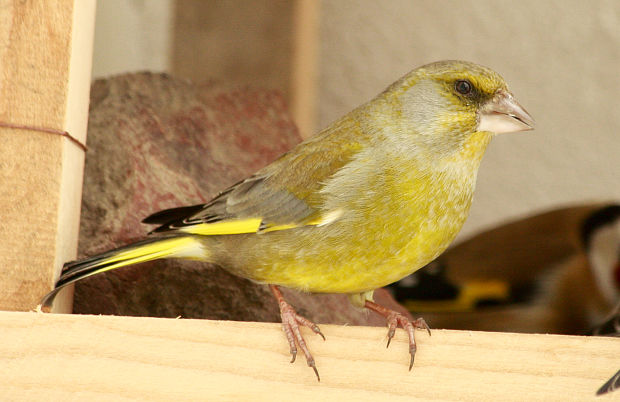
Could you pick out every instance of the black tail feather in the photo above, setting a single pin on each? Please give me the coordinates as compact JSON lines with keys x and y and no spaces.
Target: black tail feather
{"x":79,"y":269}
{"x":171,"y":215}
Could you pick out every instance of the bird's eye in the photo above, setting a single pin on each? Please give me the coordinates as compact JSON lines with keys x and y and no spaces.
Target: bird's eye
{"x":463,"y":87}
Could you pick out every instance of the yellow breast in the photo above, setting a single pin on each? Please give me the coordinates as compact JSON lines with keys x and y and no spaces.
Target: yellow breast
{"x":398,"y":224}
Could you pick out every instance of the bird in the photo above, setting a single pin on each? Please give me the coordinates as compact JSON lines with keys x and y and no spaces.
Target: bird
{"x":371,"y":198}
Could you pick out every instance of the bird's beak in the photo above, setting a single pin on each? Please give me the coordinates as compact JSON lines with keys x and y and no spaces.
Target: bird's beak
{"x":503,"y":114}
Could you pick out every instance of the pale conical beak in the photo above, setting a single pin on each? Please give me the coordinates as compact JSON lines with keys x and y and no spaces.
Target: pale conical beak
{"x":503,"y":114}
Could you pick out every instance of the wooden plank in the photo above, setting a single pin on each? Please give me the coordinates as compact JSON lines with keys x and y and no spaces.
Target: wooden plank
{"x":304,"y":75}
{"x":62,"y":357}
{"x":45,"y":48}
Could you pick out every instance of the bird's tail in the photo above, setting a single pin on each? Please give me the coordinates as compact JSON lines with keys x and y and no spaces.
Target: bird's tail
{"x":181,"y":246}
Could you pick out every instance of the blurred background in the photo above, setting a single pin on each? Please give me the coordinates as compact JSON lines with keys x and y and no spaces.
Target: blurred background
{"x":327,"y":56}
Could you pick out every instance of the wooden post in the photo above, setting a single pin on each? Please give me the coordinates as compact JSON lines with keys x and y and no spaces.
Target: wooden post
{"x":264,"y":43}
{"x":304,"y":74}
{"x":45,"y":53}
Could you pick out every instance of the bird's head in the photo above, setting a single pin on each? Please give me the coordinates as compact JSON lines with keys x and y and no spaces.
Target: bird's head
{"x":445,"y":102}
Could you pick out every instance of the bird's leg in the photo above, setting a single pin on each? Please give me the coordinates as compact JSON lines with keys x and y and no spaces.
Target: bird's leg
{"x":290,"y":324}
{"x":395,"y":319}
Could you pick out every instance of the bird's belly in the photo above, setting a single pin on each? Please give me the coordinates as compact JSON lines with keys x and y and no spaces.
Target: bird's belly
{"x":365,"y":258}
{"x":361,"y":271}
{"x":377,"y":241}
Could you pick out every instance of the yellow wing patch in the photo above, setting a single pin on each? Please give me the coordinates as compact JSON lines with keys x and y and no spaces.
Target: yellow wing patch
{"x":250,"y":225}
{"x":323,"y":220}
{"x":281,"y":227}
{"x":253,"y":225}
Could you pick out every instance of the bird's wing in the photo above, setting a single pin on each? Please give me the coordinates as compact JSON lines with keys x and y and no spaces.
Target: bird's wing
{"x":283,"y":195}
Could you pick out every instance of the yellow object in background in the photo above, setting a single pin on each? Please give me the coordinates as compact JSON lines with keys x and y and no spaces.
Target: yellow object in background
{"x":468,"y":300}
{"x":373,"y":197}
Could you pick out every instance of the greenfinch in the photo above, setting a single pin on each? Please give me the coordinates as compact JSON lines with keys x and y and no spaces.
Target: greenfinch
{"x":371,"y":198}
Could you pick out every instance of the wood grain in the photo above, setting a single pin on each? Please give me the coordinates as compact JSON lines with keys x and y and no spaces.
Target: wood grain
{"x":234,"y":42}
{"x":45,"y":48}
{"x":304,"y":73}
{"x":73,"y":357}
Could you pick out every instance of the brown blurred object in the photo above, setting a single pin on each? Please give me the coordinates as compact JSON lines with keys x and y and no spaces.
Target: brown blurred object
{"x":520,"y":249}
{"x":610,"y":325}
{"x":262,"y":43}
{"x":542,"y":252}
{"x":157,"y":142}
{"x":236,"y":42}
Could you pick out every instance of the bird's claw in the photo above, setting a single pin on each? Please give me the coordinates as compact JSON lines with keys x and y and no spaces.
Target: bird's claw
{"x":420,"y":323}
{"x":290,"y":324}
{"x":316,"y":372}
{"x":412,"y":350}
{"x":395,"y":319}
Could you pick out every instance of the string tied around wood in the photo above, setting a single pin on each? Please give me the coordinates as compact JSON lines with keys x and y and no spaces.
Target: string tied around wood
{"x":48,"y":131}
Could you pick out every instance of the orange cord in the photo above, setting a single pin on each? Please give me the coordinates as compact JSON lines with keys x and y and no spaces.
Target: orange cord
{"x":46,"y":130}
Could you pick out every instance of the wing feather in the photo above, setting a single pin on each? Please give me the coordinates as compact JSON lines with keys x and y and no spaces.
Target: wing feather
{"x":282,"y":195}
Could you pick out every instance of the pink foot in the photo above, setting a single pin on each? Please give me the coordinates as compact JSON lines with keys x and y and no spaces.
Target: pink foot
{"x":290,"y":324}
{"x":395,"y":319}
